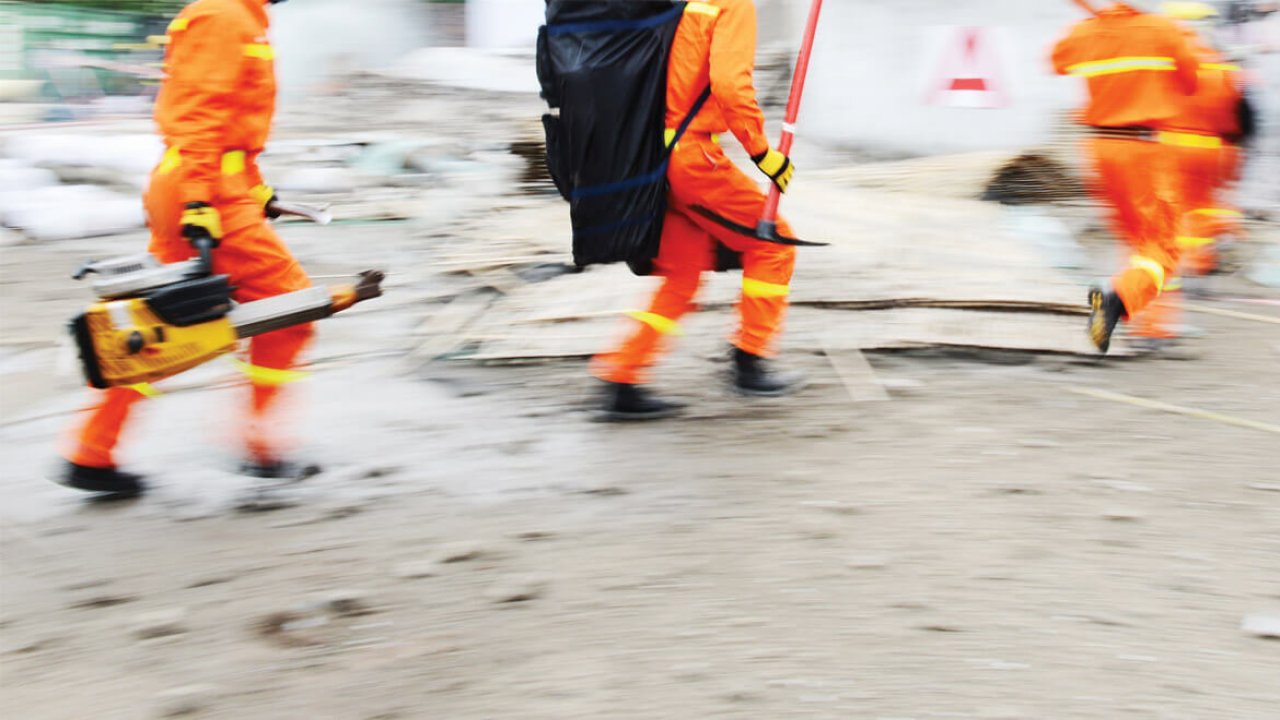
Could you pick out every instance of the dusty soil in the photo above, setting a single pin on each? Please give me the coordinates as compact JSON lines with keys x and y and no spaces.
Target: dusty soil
{"x":987,"y":543}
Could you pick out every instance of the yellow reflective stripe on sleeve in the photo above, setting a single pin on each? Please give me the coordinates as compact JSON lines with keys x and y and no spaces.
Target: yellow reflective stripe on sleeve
{"x":1218,"y":212}
{"x":701,"y":8}
{"x":261,"y":51}
{"x":1150,"y":267}
{"x":761,"y":289}
{"x":1187,"y":241}
{"x":1188,"y":140}
{"x":268,"y":376}
{"x":1224,"y":67}
{"x":146,"y":390}
{"x":179,"y":24}
{"x":171,"y":161}
{"x":663,"y":325}
{"x":1118,"y":65}
{"x":233,"y":163}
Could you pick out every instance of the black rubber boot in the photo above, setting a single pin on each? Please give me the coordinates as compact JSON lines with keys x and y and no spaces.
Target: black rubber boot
{"x":279,"y":470}
{"x":629,"y":403}
{"x":110,"y":482}
{"x":752,"y":376}
{"x":1105,"y":311}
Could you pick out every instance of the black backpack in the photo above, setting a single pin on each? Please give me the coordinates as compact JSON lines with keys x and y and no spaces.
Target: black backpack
{"x":603,"y":65}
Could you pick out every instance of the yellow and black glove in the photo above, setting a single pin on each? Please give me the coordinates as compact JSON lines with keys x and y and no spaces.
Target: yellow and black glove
{"x":777,"y":166}
{"x":199,"y":220}
{"x":265,"y":195}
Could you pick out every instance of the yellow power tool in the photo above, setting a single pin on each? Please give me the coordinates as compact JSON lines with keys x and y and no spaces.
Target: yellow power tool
{"x":156,"y":320}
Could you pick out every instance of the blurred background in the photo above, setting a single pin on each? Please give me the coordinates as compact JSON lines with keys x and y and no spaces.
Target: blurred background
{"x":965,"y":515}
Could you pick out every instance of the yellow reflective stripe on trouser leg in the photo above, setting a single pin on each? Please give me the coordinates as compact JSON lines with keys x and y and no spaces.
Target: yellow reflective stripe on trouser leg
{"x":1187,"y":241}
{"x":268,"y":376}
{"x":179,"y":24}
{"x":663,"y":325}
{"x":1150,"y":267}
{"x":753,"y":288}
{"x":146,"y":390}
{"x":1218,"y":212}
{"x":233,"y":163}
{"x":171,"y":161}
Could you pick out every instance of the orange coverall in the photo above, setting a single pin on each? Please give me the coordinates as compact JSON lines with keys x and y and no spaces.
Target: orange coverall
{"x":1206,"y":158}
{"x":214,"y":112}
{"x":1206,"y":162}
{"x":1139,"y":69}
{"x":711,"y":200}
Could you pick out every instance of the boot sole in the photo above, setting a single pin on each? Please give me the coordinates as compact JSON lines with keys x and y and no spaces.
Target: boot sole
{"x":611,"y":416}
{"x":789,"y":390}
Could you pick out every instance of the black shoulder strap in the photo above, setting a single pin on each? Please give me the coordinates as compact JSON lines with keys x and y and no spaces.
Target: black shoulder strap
{"x":688,"y":119}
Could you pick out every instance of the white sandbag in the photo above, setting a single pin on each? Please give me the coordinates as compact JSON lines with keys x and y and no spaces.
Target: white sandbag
{"x":128,"y":154}
{"x":69,"y":212}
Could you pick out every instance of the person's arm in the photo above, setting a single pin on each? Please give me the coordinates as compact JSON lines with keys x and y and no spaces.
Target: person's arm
{"x":207,"y":54}
{"x":733,"y":55}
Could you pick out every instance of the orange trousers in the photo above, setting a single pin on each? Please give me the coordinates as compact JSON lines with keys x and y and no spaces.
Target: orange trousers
{"x":1203,"y":176}
{"x":260,"y":266}
{"x":1138,"y":179}
{"x":711,"y":201}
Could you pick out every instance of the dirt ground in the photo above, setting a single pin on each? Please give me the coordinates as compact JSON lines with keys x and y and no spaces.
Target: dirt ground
{"x":988,"y":542}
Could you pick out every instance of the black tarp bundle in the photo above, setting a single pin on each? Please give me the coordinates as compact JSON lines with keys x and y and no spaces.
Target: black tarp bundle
{"x":603,"y":64}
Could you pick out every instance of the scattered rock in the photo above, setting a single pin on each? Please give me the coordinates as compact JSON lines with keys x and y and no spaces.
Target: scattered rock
{"x":605,"y":491}
{"x":103,"y":601}
{"x":1039,"y":443}
{"x":1123,"y":516}
{"x":417,"y":569}
{"x":159,"y":624}
{"x":518,"y":588}
{"x":1262,"y":626}
{"x":534,"y":535}
{"x":291,"y":629}
{"x":185,"y":701}
{"x":345,"y":603}
{"x":456,"y":552}
{"x":1265,"y":487}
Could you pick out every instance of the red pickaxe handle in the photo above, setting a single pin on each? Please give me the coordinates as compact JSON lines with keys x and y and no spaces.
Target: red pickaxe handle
{"x":1087,"y":6}
{"x":768,"y":221}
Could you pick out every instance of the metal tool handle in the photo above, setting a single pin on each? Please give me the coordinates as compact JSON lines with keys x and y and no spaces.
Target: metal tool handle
{"x":769,"y":220}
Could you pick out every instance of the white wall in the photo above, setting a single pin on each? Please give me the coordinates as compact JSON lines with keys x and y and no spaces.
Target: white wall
{"x":876,"y":60}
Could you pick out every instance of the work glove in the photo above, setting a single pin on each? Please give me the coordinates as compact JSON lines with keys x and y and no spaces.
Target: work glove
{"x":777,"y":166}
{"x":265,"y":195}
{"x":201,"y":220}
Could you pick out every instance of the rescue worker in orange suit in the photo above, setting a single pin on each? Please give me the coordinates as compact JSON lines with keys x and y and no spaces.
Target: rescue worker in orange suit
{"x":1140,"y":70}
{"x":711,"y":201}
{"x":1201,"y":138}
{"x":214,"y":112}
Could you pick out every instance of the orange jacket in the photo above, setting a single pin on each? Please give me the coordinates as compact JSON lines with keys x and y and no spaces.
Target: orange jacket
{"x":1139,"y":67}
{"x":716,"y":44}
{"x":1212,"y":109}
{"x":219,"y":94}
